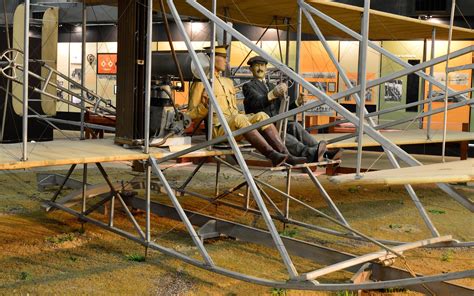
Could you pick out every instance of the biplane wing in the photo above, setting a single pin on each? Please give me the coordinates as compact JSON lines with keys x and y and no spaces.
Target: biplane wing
{"x":455,"y":171}
{"x":383,"y":26}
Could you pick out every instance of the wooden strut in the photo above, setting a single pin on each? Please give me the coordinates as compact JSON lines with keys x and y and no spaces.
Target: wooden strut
{"x":337,"y":222}
{"x":300,"y":283}
{"x":305,"y":285}
{"x":135,"y":183}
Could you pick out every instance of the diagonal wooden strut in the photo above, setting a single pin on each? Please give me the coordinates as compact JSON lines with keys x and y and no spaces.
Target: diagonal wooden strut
{"x":194,"y":236}
{"x":116,"y":194}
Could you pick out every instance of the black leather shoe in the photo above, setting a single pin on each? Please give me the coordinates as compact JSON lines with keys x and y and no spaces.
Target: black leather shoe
{"x":321,"y":151}
{"x":334,"y":154}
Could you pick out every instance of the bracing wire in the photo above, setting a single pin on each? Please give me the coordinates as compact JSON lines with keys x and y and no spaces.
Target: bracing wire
{"x":445,"y":117}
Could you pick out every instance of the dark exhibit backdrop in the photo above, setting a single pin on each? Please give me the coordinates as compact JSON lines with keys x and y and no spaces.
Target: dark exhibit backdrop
{"x":38,"y":130}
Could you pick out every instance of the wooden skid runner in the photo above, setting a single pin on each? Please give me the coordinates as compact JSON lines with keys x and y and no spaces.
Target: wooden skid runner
{"x":379,"y":255}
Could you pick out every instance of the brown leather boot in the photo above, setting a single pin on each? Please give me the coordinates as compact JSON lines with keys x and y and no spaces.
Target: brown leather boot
{"x":259,"y":143}
{"x":271,"y":135}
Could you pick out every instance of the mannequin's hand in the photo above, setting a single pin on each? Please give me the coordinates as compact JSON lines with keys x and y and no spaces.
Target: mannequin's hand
{"x":280,"y":90}
{"x":301,"y":99}
{"x":205,"y":98}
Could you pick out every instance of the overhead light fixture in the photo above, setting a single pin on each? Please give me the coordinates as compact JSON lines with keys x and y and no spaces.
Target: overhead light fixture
{"x":436,"y":20}
{"x":424,"y":17}
{"x":197,"y":27}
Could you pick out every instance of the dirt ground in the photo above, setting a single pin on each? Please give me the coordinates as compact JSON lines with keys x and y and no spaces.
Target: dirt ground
{"x":49,"y":253}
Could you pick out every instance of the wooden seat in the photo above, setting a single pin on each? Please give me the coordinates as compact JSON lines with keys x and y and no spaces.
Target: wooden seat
{"x":93,"y":133}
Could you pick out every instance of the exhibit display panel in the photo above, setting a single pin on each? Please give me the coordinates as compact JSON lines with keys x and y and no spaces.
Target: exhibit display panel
{"x":69,"y":61}
{"x":106,"y":83}
{"x":348,"y":58}
{"x":402,"y":90}
{"x":316,"y":67}
{"x":457,"y":80}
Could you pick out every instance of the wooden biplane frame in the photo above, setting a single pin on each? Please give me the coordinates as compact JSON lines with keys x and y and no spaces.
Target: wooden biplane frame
{"x":375,"y":265}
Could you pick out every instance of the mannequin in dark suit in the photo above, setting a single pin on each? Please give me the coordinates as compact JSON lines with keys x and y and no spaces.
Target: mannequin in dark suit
{"x":261,"y":95}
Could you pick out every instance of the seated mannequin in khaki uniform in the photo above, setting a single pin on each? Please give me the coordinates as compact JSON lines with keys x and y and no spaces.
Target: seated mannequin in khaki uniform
{"x":265,"y":140}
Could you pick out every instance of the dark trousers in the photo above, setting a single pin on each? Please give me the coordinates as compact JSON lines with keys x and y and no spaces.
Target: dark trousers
{"x":300,"y":143}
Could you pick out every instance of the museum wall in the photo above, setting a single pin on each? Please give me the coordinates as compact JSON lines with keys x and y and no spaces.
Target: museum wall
{"x":316,"y":67}
{"x":409,"y":88}
{"x":458,"y":81}
{"x":394,"y":93}
{"x":348,"y":57}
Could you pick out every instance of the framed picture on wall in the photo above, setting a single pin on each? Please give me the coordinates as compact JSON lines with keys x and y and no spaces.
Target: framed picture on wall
{"x":76,"y":75}
{"x":321,"y":85}
{"x":393,"y":90}
{"x":331,"y":86}
{"x":107,"y":63}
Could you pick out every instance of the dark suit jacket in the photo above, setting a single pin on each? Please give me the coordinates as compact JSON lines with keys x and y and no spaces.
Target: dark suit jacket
{"x":256,"y":99}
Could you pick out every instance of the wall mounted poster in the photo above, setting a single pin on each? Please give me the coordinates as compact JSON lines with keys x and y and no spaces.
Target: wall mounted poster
{"x":107,"y":63}
{"x":393,"y":91}
{"x":370,"y":97}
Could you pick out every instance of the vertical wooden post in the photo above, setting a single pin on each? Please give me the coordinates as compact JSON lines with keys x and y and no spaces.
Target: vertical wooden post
{"x":131,"y":51}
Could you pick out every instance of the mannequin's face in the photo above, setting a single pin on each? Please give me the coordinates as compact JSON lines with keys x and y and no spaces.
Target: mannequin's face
{"x":220,"y":63}
{"x":259,"y":70}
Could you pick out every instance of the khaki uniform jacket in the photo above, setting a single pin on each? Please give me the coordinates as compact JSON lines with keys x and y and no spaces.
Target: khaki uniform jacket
{"x":224,"y":92}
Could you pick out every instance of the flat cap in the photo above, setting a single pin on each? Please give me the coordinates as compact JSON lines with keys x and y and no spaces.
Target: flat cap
{"x":257,"y":59}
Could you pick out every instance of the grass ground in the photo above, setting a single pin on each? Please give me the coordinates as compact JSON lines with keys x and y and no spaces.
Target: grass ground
{"x":49,"y":253}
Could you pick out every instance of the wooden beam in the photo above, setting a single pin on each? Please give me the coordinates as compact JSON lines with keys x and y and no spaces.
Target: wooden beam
{"x":455,"y":171}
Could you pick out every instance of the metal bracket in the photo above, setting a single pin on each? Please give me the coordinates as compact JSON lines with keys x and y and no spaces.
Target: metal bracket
{"x":363,"y":274}
{"x":208,"y":230}
{"x":45,"y":179}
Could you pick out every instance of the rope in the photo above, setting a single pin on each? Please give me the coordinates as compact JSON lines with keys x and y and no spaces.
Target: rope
{"x":279,"y":42}
{"x":460,"y":12}
{"x":170,"y":41}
